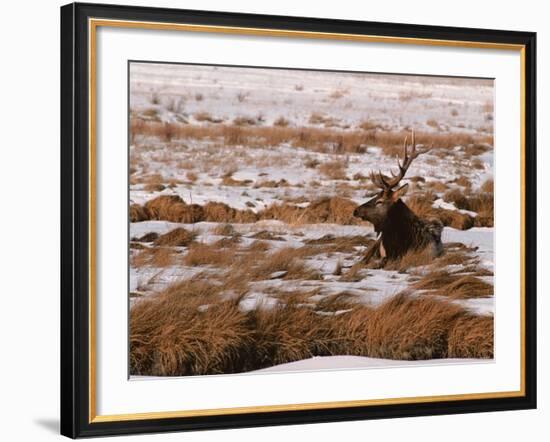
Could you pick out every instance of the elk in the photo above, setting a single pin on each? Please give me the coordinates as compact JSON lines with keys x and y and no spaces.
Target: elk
{"x":399,"y":229}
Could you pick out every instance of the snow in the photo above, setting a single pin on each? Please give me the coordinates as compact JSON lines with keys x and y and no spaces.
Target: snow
{"x":357,"y":362}
{"x":441,"y":204}
{"x":394,"y":101}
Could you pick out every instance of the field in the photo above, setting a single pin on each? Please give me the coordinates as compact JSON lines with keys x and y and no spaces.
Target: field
{"x":244,"y":251}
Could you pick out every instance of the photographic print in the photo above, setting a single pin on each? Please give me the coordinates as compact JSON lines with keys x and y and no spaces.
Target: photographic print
{"x":293,"y":220}
{"x":272,"y":220}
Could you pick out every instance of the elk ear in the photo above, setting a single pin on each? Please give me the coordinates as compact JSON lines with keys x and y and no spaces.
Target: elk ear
{"x":400,"y":192}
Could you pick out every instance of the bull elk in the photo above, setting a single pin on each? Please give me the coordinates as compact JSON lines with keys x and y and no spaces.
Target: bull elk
{"x":399,"y":229}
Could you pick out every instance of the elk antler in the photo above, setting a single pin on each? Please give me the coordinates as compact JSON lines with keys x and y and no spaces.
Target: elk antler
{"x":387,"y":183}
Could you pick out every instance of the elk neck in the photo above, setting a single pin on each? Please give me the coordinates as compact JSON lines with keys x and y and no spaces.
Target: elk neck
{"x":398,"y":230}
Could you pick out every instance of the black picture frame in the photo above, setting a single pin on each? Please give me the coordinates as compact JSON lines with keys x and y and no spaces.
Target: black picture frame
{"x":75,"y":219}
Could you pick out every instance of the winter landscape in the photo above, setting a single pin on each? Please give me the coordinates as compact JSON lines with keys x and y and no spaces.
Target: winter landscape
{"x":248,"y":251}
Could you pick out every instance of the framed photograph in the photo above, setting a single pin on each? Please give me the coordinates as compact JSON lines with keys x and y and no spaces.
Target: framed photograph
{"x":274,"y":220}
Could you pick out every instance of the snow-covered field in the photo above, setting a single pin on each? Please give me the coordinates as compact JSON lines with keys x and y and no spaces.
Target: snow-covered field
{"x":254,"y":176}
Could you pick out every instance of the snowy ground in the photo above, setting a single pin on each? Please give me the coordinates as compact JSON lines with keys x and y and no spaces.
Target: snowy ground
{"x":394,"y":101}
{"x":350,"y":362}
{"x":254,"y":177}
{"x":375,"y":287}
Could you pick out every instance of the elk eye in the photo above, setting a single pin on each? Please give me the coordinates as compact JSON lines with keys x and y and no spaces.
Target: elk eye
{"x":379,"y":202}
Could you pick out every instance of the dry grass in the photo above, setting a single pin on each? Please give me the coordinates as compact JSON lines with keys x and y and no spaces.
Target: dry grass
{"x":355,"y":273}
{"x":200,"y":254}
{"x":281,"y":122}
{"x":324,"y":210}
{"x":466,"y":287}
{"x":170,"y":335}
{"x":154,"y":257}
{"x":178,"y":237}
{"x":481,"y":202}
{"x":455,"y":286}
{"x":474,"y":149}
{"x":320,"y":139}
{"x":488,"y":186}
{"x":189,"y":330}
{"x":333,"y":170}
{"x":340,"y":244}
{"x":191,"y":176}
{"x":469,"y":337}
{"x":412,"y":329}
{"x":138,"y":213}
{"x":432,"y":123}
{"x":369,"y":125}
{"x":245,"y":121}
{"x":285,"y":263}
{"x":421,"y":205}
{"x":259,"y":246}
{"x":205,"y":116}
{"x":224,"y":230}
{"x":173,"y":208}
{"x":463,"y":181}
{"x":411,"y":259}
{"x":154,"y":187}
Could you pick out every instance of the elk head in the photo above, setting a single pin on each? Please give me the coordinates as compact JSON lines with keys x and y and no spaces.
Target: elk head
{"x":376,"y":209}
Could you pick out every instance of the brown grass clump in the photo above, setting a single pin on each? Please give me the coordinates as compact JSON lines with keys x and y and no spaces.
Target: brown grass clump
{"x":154,"y":257}
{"x":421,"y":205}
{"x":331,"y":210}
{"x":267,"y":235}
{"x":466,"y":287}
{"x":205,"y":116}
{"x":409,"y":328}
{"x":138,"y":213}
{"x":173,"y":208}
{"x":224,"y":230}
{"x":455,"y":219}
{"x":281,"y":122}
{"x":167,"y":207}
{"x":259,"y":246}
{"x":324,"y":210}
{"x":434,"y":280}
{"x":288,"y":261}
{"x":228,"y":180}
{"x":455,"y":286}
{"x":413,"y":258}
{"x":204,"y":254}
{"x":154,"y":187}
{"x":222,"y":213}
{"x":148,"y":237}
{"x":472,"y":337}
{"x":436,"y":186}
{"x":245,"y":121}
{"x":432,"y":123}
{"x":333,"y":170}
{"x":481,"y":202}
{"x":488,"y":186}
{"x":188,"y":329}
{"x":463,"y":181}
{"x":369,"y":125}
{"x":171,"y":335}
{"x":475,"y":149}
{"x":191,"y":176}
{"x":355,"y":273}
{"x":178,"y":237}
{"x":342,"y":244}
{"x":456,"y":196}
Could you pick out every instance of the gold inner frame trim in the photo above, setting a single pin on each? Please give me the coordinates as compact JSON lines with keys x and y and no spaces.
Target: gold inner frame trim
{"x":93,"y":24}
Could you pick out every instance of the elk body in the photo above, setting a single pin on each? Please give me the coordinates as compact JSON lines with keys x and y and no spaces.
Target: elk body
{"x":399,"y":229}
